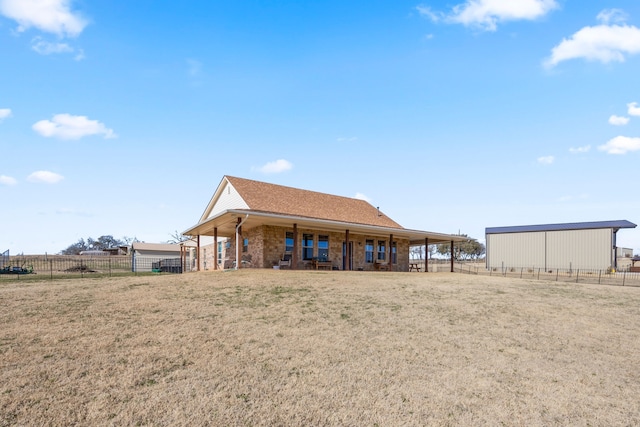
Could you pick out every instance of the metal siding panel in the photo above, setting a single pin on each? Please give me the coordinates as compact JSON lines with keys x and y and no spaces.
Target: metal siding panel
{"x":579,"y":249}
{"x":516,"y":250}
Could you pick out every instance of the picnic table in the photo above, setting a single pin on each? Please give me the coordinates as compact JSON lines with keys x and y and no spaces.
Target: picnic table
{"x":413,"y":266}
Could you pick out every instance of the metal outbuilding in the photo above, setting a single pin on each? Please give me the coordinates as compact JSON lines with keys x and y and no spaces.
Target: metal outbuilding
{"x":581,"y":245}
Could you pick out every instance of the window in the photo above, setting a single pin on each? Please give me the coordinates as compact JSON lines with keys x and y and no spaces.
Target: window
{"x":219,"y":252}
{"x":307,"y":246}
{"x":394,"y":255}
{"x":288,"y":241}
{"x":323,"y":248}
{"x":368,"y":251}
{"x":382,"y":250}
{"x":245,"y":245}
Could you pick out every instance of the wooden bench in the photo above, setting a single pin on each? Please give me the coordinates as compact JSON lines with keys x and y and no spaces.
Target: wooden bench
{"x":317,"y":264}
{"x":380,"y":266}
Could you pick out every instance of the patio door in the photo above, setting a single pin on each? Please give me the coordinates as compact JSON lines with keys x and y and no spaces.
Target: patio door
{"x":347,"y":255}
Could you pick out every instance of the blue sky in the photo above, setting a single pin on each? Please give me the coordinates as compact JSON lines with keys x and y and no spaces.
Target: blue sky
{"x":122,"y":117}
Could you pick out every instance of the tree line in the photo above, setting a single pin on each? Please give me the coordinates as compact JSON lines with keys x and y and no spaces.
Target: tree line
{"x":468,"y":250}
{"x":99,"y":244}
{"x":108,"y":241}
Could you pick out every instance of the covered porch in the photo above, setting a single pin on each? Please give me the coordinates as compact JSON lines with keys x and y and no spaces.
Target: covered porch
{"x":349,"y":242}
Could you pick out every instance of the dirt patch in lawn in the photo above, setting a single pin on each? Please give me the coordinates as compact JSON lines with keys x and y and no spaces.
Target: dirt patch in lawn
{"x":263,"y":347}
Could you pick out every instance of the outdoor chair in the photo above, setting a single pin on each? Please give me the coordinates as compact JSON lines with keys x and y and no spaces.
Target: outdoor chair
{"x":285,"y":261}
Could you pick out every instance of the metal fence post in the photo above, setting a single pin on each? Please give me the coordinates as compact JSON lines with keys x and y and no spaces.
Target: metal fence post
{"x":577,"y":274}
{"x":624,"y":277}
{"x":599,"y":276}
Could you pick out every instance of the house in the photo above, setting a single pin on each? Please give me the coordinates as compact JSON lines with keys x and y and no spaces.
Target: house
{"x":264,"y":223}
{"x":571,"y":246}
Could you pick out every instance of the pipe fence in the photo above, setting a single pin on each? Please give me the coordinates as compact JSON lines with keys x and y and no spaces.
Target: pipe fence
{"x":39,"y":267}
{"x":577,"y":275}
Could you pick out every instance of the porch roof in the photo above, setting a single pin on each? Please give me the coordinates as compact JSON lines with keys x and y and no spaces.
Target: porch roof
{"x":225,"y":222}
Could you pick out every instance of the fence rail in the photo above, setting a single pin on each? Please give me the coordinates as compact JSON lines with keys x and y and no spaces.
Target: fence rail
{"x":593,"y":276}
{"x":59,"y":266}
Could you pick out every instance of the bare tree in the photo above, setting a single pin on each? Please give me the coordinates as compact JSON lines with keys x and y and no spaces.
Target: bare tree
{"x":177,"y":237}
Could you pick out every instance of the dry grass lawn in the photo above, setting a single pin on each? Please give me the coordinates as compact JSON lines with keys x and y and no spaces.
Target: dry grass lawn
{"x":262,"y":347}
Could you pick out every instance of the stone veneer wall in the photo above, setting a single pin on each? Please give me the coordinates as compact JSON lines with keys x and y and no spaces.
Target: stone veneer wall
{"x":266,"y":248}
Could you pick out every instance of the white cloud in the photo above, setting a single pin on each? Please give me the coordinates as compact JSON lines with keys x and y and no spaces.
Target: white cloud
{"x":44,"y":47}
{"x":195,"y":71}
{"x":602,"y":43}
{"x":583,"y":196}
{"x":633,"y":109}
{"x":72,"y":212}
{"x":576,"y":150}
{"x":277,"y":166}
{"x":361,"y":196}
{"x":4,"y":113}
{"x":7,"y":180}
{"x":618,"y":120}
{"x":546,"y":160}
{"x":195,"y":67}
{"x":426,"y":11}
{"x":66,"y":126}
{"x":621,"y":145}
{"x":608,"y":16}
{"x":347,"y":139}
{"x":486,"y":14}
{"x":45,"y":177}
{"x":51,"y":16}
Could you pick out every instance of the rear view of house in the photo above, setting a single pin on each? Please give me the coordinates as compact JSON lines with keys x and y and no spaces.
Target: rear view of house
{"x":264,"y":224}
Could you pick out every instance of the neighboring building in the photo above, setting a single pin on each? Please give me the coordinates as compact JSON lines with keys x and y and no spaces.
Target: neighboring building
{"x":120,"y":250}
{"x":624,"y":253}
{"x":583,"y":245}
{"x":92,"y":253}
{"x":624,"y":258}
{"x":147,"y":257}
{"x":272,"y":222}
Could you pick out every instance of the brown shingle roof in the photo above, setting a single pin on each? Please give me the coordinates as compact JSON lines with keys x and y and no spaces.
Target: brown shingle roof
{"x":278,"y":199}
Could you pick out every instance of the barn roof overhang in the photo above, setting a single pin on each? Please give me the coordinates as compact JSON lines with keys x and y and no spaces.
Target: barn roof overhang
{"x":224,"y":225}
{"x":614,"y":225}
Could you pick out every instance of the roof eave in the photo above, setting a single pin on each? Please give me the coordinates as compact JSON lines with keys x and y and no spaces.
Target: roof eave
{"x":414,"y":236}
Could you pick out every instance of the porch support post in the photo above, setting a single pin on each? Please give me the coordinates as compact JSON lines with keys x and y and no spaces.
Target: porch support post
{"x":390,"y":252}
{"x":346,"y":250}
{"x":198,"y":253}
{"x":426,"y":254}
{"x":238,"y":237}
{"x":215,"y":248}
{"x":294,"y":255}
{"x":452,"y":256}
{"x":182,"y":258}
